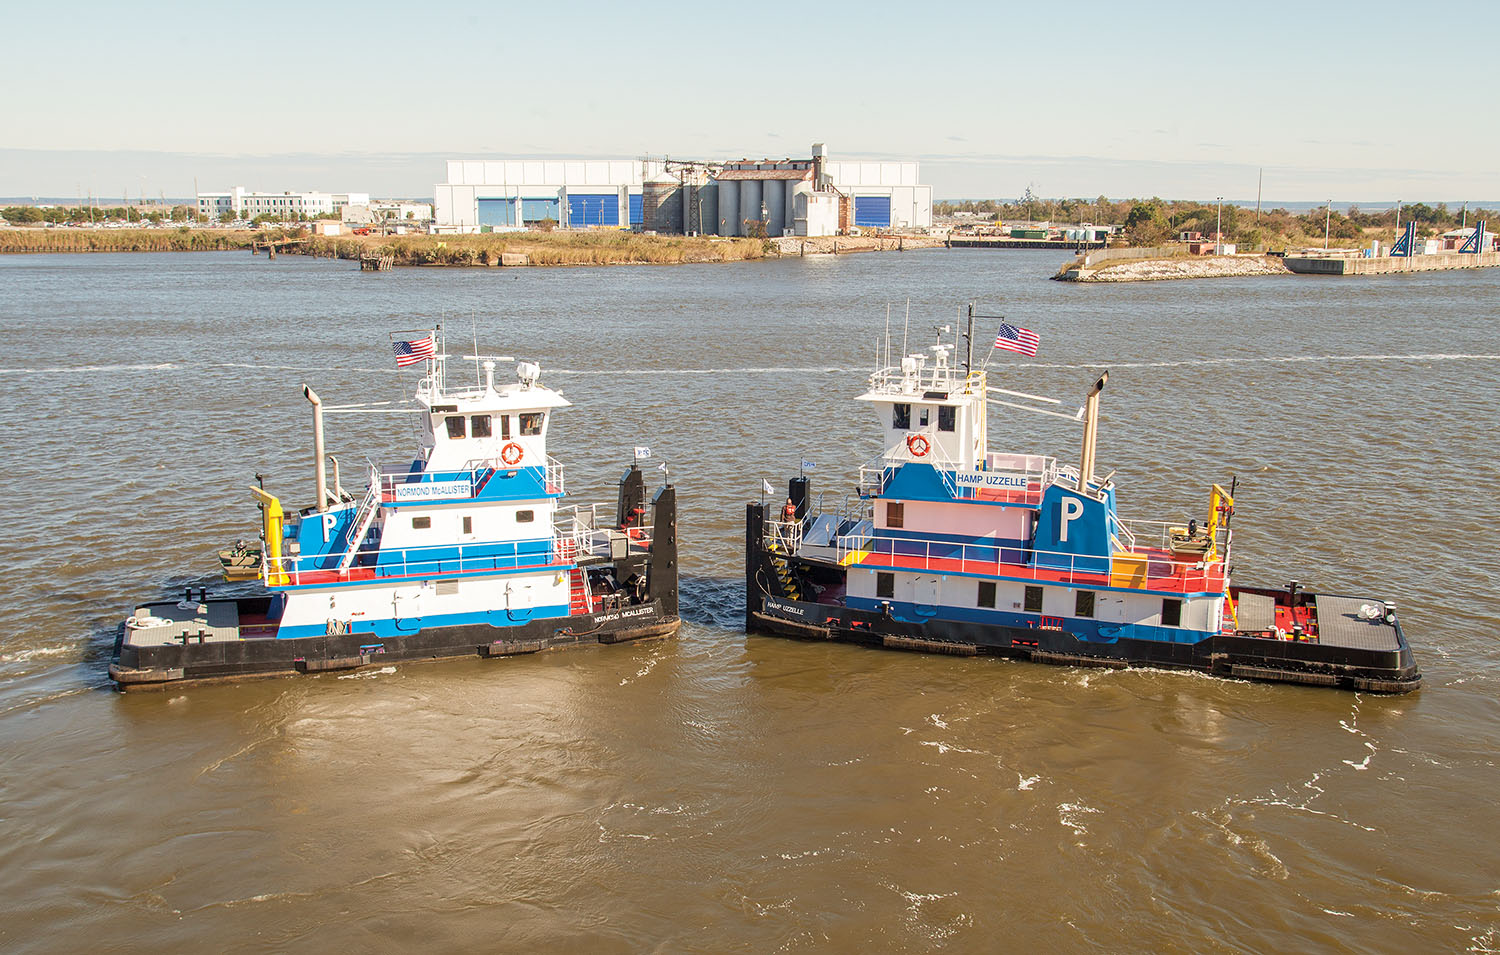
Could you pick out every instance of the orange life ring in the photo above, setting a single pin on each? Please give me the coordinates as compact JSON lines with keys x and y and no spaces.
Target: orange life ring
{"x":918,"y":445}
{"x":511,"y":453}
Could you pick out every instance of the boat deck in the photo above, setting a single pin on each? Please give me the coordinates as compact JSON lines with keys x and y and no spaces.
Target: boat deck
{"x":1340,"y":624}
{"x":220,"y":623}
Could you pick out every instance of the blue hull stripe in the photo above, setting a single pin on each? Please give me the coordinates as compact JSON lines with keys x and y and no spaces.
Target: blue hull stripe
{"x":410,"y":625}
{"x":1094,"y":631}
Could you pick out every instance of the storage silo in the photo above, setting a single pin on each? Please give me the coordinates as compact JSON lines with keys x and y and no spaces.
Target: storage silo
{"x":750,"y":203}
{"x":775,"y":199}
{"x":705,"y":210}
{"x":661,"y":204}
{"x":729,"y":207}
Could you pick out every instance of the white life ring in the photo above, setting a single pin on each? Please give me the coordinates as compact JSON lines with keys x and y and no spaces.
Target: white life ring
{"x":511,"y":454}
{"x":918,"y":445}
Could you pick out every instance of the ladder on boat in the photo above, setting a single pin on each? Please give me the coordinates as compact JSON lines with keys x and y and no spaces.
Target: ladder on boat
{"x":363,"y":518}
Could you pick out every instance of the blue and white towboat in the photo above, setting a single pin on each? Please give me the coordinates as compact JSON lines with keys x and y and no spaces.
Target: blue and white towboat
{"x":951,"y":548}
{"x":466,"y":550}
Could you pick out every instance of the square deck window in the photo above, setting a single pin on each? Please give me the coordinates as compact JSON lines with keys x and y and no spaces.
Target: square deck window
{"x":987,"y":593}
{"x":895,"y":514}
{"x":1033,"y":600}
{"x":455,"y":426}
{"x":479,"y":426}
{"x":531,"y":423}
{"x":885,"y":585}
{"x":1084,"y":605}
{"x":421,"y":523}
{"x":947,"y":417}
{"x":525,"y":517}
{"x":1171,"y":613}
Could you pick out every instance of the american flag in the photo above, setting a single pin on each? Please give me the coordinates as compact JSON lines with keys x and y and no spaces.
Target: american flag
{"x":409,"y":353}
{"x":1015,"y":338}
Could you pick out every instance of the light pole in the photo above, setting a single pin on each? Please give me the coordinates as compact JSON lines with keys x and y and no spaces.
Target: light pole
{"x":1219,"y":228}
{"x":1327,"y":218}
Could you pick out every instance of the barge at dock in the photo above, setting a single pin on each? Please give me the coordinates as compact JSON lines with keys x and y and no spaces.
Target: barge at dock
{"x":950,"y":548}
{"x":464,"y":551}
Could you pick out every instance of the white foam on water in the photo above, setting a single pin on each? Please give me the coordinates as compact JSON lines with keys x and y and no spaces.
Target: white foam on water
{"x":937,"y":721}
{"x":22,"y":656}
{"x":1024,"y":783}
{"x":367,"y":674}
{"x":85,"y":369}
{"x":1266,"y":360}
{"x":1068,"y":814}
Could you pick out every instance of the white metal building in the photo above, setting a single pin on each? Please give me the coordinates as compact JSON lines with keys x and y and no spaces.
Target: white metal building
{"x":492,"y":194}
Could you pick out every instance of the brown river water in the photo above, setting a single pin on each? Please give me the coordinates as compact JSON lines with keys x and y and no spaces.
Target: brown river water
{"x":720,"y":792}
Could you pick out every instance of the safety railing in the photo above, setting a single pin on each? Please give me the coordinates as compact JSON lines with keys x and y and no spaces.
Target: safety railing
{"x":421,"y":561}
{"x":784,"y":536}
{"x":592,"y":531}
{"x":402,"y":485}
{"x":1139,"y":570}
{"x":899,"y":380}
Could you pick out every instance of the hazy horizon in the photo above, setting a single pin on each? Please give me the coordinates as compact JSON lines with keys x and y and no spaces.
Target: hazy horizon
{"x":1177,"y":100}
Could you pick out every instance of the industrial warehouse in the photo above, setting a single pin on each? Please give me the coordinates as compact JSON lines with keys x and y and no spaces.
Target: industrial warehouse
{"x":802,"y":197}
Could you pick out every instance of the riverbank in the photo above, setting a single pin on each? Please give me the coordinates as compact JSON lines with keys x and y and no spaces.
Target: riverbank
{"x":1177,"y":267}
{"x":491,"y":249}
{"x":23,"y":241}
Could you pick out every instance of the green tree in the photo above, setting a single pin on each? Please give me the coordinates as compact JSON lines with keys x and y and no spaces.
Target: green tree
{"x":1146,"y":223}
{"x":227,"y":215}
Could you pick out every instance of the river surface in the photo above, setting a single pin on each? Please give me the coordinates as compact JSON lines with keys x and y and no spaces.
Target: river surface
{"x":720,"y":792}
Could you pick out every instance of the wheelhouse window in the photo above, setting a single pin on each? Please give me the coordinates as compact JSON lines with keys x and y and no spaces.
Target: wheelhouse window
{"x":505,"y":426}
{"x":1033,"y":600}
{"x":1171,"y":613}
{"x":525,"y":517}
{"x":986,"y":593}
{"x":479,"y":426}
{"x":885,"y":585}
{"x":901,"y":417}
{"x":947,"y":417}
{"x":531,"y":423}
{"x":1084,"y":604}
{"x":455,"y":426}
{"x":895,"y":514}
{"x":924,"y":417}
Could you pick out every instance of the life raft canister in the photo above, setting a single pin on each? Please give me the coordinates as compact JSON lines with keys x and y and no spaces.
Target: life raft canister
{"x":511,"y":453}
{"x":918,"y":445}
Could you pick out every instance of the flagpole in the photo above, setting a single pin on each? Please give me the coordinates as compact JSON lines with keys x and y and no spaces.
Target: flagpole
{"x":990,"y":354}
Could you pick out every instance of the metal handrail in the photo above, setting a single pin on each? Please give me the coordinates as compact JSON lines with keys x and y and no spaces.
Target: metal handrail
{"x":985,"y":558}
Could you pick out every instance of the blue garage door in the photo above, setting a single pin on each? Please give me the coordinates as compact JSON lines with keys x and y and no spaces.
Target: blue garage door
{"x":637,"y":210}
{"x":497,"y":212}
{"x":535,"y":210}
{"x":593,"y":210}
{"x":872,"y":212}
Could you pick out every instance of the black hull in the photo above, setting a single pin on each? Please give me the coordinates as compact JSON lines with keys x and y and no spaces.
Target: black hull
{"x":137,"y":668}
{"x":1247,"y":658}
{"x":1235,"y":657}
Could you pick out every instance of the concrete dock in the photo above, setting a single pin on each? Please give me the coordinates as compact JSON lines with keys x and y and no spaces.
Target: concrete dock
{"x":1389,"y":265}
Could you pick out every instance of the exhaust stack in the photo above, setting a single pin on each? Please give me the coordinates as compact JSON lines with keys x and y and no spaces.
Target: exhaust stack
{"x":1090,"y":434}
{"x":319,"y":477}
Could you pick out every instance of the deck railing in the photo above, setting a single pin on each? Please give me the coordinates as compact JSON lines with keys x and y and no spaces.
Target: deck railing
{"x":457,"y":558}
{"x":400,"y":484}
{"x":1153,"y":569}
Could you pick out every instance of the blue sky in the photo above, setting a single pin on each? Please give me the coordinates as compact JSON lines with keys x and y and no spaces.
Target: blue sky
{"x":1346,"y":101}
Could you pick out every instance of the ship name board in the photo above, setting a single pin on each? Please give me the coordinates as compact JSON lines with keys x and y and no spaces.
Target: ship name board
{"x":991,"y":479}
{"x":431,"y":490}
